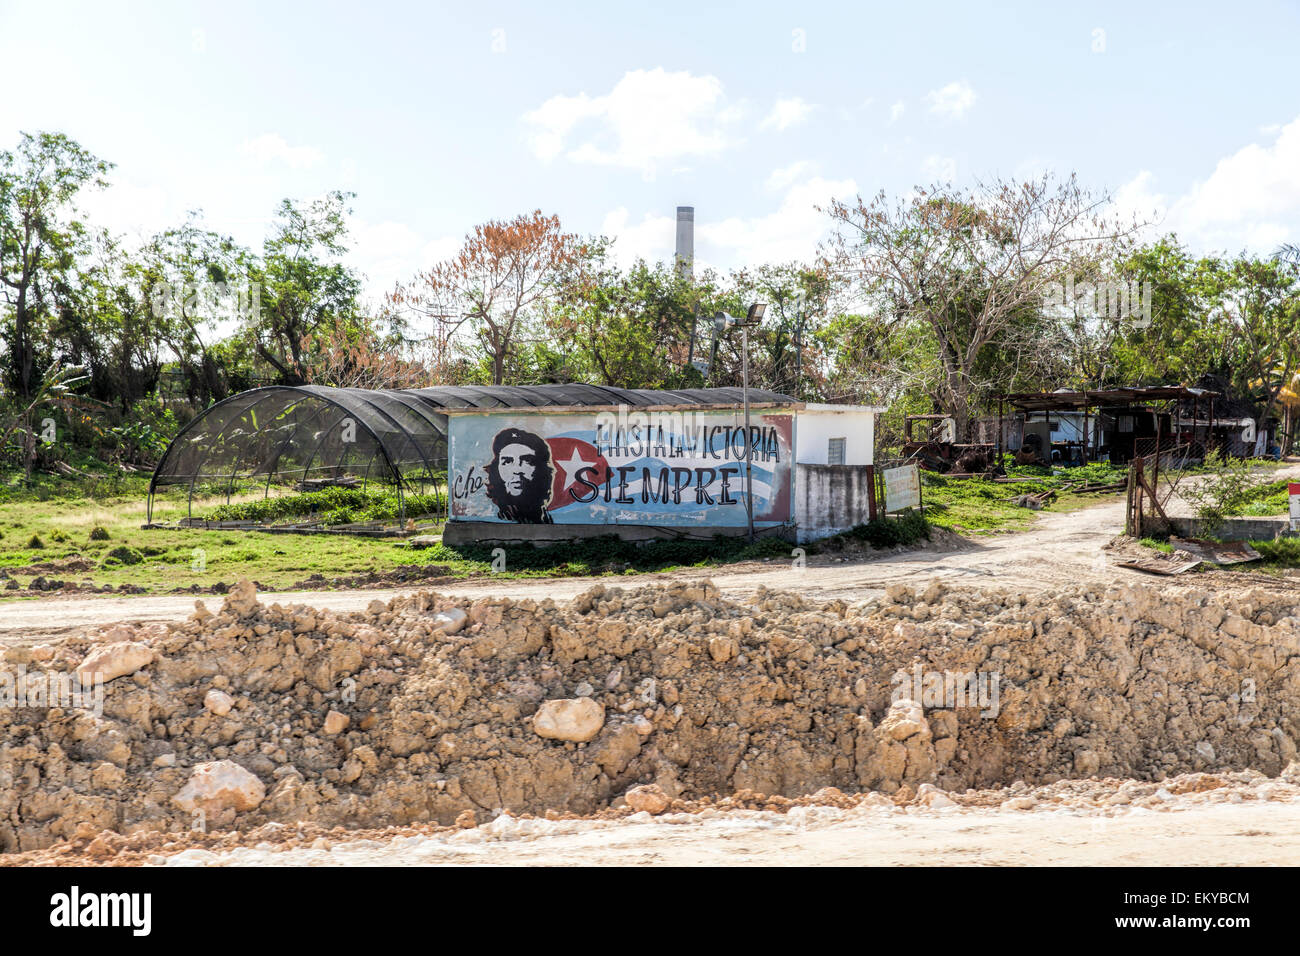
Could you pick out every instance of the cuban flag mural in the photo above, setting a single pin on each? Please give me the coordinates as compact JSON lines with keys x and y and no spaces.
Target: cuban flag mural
{"x":647,"y":468}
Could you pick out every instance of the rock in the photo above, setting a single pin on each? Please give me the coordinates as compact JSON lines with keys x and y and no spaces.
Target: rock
{"x":220,"y":785}
{"x":163,"y":761}
{"x":336,"y":723}
{"x":1019,"y":803}
{"x":723,"y":648}
{"x":903,"y":719}
{"x":450,"y":621}
{"x":576,"y":719}
{"x":927,"y":794}
{"x":114,"y":660}
{"x":649,"y":798}
{"x":218,"y":702}
{"x":466,"y":820}
{"x":42,"y":652}
{"x":425,"y":541}
{"x":583,"y":690}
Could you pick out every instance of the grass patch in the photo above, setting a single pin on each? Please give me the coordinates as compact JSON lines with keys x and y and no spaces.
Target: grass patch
{"x":331,"y":506}
{"x":981,"y":505}
{"x":1162,"y":546}
{"x":1280,"y":555}
{"x":166,"y":559}
{"x":906,"y":528}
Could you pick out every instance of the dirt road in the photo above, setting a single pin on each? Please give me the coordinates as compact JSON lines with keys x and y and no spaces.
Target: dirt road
{"x":1060,"y":548}
{"x":1266,"y":834}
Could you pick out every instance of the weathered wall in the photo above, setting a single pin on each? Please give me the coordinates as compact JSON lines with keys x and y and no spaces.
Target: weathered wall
{"x":831,"y":498}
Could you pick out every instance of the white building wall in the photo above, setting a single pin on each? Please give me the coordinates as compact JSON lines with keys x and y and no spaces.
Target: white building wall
{"x":818,"y":424}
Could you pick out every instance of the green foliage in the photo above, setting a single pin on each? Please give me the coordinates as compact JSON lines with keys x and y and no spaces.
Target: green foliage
{"x":1163,"y":546}
{"x":35,"y":542}
{"x":330,"y":506}
{"x":1284,"y":553}
{"x":99,"y":533}
{"x":613,"y":554}
{"x":906,"y":528}
{"x":1232,"y":486}
{"x":123,"y":554}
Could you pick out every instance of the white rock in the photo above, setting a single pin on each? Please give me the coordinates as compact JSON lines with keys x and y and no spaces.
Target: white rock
{"x":114,"y":660}
{"x":643,"y":726}
{"x":576,"y":719}
{"x":218,"y":702}
{"x":450,"y":621}
{"x":583,"y":690}
{"x":219,"y":785}
{"x":927,"y":794}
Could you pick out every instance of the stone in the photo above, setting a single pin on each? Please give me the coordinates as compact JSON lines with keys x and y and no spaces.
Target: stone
{"x":903,"y":719}
{"x":336,"y":723}
{"x":466,"y":820}
{"x":114,"y":660}
{"x":928,"y":795}
{"x":723,"y":648}
{"x":450,"y":621}
{"x":218,"y":702}
{"x":220,"y":785}
{"x":576,"y":719}
{"x":425,"y":541}
{"x":649,"y":798}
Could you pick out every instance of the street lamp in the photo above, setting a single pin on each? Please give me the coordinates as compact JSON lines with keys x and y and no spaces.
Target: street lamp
{"x":721,"y":322}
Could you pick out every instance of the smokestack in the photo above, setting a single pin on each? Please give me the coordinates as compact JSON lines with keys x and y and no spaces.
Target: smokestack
{"x":686,"y":241}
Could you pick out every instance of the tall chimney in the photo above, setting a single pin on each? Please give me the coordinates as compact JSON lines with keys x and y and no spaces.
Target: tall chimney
{"x":686,"y":241}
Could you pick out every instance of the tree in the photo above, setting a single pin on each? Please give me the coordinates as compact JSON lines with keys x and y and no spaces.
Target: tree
{"x":632,"y":329}
{"x":39,"y":237}
{"x":1261,"y":302}
{"x":200,"y":286}
{"x":974,"y":266}
{"x":501,"y":283}
{"x":303,"y":288}
{"x":798,"y":301}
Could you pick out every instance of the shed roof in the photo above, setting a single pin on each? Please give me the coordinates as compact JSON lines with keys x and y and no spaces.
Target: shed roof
{"x":1093,"y":398}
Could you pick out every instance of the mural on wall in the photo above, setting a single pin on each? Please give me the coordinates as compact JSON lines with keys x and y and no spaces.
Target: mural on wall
{"x":671,"y":468}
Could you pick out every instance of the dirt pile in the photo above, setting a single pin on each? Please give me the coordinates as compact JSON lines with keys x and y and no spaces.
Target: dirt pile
{"x":422,"y":708}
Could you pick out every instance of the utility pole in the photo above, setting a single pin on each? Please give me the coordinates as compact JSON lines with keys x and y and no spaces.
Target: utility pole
{"x":722,"y":321}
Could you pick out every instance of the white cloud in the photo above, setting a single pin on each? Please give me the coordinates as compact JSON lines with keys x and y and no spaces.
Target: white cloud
{"x":649,"y":118}
{"x":653,"y":239}
{"x":271,"y":147}
{"x":791,"y":232}
{"x":953,"y":100}
{"x":786,"y":112}
{"x":1251,"y":200}
{"x":895,"y":112}
{"x":782,"y":178}
{"x":940,"y":169}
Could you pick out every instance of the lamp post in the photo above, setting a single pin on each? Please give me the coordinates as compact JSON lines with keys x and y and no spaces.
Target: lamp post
{"x":721,"y":322}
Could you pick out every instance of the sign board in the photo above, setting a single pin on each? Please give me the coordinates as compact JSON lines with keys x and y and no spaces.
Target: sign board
{"x":679,"y":469}
{"x":902,"y":487}
{"x":1293,"y":490}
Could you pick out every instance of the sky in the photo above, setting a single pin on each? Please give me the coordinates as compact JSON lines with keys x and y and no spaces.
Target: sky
{"x":440,"y":116}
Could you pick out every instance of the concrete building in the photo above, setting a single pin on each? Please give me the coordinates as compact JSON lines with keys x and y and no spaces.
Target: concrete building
{"x":835,"y":468}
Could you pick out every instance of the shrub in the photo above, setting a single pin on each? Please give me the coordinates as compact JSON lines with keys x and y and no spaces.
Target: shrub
{"x":35,"y":542}
{"x":123,"y":555}
{"x":98,"y":533}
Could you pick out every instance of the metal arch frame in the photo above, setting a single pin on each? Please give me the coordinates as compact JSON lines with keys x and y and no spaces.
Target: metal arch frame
{"x":303,"y":392}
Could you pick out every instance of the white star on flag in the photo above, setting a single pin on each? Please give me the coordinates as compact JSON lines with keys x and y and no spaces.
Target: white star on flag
{"x":571,"y":468}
